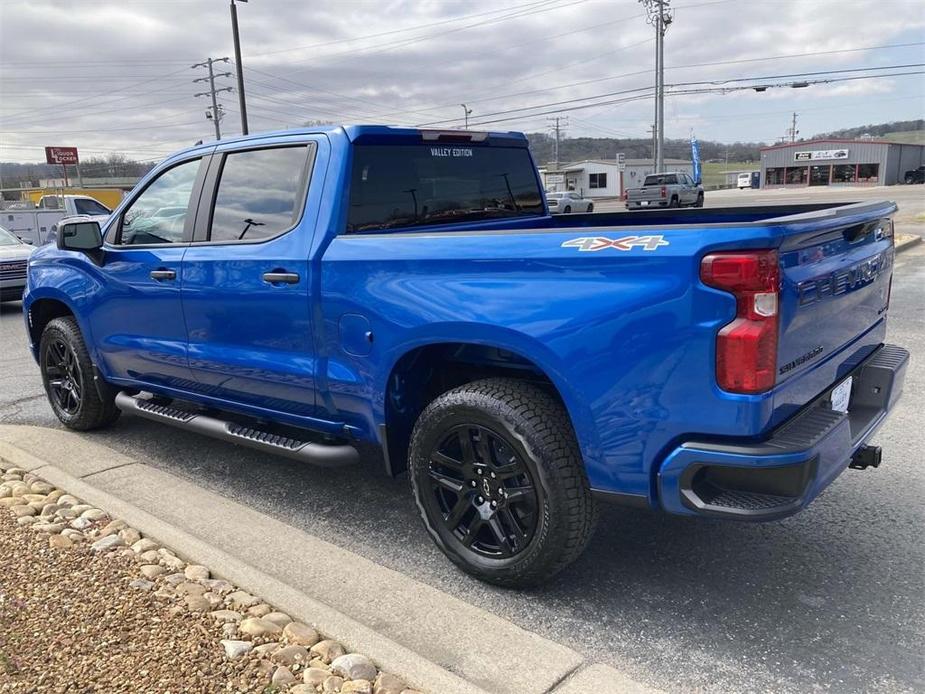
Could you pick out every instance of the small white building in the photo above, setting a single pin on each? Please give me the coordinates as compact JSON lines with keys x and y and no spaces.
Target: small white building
{"x":602,"y":178}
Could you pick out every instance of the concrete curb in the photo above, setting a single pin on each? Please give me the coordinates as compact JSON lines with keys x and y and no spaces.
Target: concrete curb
{"x":382,"y":606}
{"x":906,"y":241}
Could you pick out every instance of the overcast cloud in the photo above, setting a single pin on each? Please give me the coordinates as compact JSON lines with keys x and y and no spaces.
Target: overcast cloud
{"x":115,"y":76}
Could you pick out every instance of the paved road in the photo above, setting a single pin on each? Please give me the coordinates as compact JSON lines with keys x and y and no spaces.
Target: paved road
{"x":911,"y":200}
{"x":832,"y":599}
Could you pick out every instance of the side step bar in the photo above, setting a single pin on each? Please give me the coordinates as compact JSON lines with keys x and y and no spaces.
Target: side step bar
{"x":322,"y":455}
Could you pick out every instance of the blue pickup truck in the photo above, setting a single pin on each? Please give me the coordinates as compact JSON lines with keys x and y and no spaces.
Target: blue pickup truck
{"x":320,"y":293}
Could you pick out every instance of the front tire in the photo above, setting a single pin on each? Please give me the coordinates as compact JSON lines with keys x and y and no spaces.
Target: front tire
{"x":590,"y":207}
{"x":567,"y":210}
{"x":70,"y":380}
{"x":699,"y":202}
{"x":498,"y":479}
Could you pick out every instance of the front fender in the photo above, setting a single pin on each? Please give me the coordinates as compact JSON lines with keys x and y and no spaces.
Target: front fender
{"x":60,"y":276}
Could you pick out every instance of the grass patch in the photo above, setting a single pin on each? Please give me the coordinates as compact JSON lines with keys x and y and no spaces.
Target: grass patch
{"x":714,"y":174}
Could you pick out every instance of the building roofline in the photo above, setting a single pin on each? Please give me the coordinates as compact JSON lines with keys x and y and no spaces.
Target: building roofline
{"x":841,"y":141}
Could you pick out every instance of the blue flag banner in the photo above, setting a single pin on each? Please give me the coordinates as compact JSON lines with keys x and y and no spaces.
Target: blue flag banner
{"x":695,"y":157}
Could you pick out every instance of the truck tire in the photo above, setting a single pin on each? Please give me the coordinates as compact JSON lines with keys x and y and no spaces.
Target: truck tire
{"x":699,"y":202}
{"x":77,"y":398}
{"x":498,"y":479}
{"x":674,"y":202}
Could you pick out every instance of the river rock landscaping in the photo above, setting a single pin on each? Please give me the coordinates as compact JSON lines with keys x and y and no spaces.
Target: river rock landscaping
{"x":88,"y":604}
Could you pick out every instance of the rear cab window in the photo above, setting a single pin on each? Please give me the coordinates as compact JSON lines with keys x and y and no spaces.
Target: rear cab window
{"x":414,"y":186}
{"x":661,"y":180}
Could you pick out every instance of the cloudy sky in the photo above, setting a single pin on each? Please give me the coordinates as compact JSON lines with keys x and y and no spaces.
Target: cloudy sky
{"x":116,"y":77}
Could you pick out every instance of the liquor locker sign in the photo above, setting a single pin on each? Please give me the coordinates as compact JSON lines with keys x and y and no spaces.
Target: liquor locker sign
{"x":61,"y":155}
{"x":821,"y":154}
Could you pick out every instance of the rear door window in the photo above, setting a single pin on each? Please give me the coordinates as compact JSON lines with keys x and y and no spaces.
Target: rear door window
{"x":408,"y":186}
{"x":260,"y":193}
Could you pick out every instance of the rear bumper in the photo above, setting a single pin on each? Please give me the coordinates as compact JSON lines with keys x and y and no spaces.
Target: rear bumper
{"x":652,"y":204}
{"x":777,"y":477}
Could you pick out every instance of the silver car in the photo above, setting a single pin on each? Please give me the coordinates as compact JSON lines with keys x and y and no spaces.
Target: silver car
{"x":566,"y":202}
{"x":14,"y":255}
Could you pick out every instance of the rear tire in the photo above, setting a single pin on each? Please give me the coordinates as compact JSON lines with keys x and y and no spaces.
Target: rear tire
{"x":499,"y":481}
{"x":675,"y":202}
{"x":77,"y":398}
{"x":590,"y":207}
{"x":567,"y":209}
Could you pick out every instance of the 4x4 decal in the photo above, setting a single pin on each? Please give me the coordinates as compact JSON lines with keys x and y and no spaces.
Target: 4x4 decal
{"x":626,"y":243}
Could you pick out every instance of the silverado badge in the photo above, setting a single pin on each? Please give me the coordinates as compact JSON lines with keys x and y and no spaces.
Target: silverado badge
{"x":625,"y":243}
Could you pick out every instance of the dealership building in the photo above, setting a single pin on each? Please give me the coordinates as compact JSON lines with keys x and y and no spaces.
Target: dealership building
{"x":838,"y":162}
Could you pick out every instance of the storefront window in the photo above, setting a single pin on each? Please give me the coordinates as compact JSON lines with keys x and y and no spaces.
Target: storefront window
{"x":774,"y":177}
{"x":868,"y":173}
{"x":819,"y":175}
{"x":796,"y":176}
{"x":843,"y":173}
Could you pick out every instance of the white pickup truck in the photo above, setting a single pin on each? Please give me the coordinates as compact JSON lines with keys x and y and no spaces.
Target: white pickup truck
{"x":38,"y":225}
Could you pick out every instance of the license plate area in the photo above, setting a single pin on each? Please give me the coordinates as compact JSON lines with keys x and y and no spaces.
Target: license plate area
{"x":841,"y":395}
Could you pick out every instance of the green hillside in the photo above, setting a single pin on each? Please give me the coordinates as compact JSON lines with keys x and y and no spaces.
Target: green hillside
{"x":914,"y":137}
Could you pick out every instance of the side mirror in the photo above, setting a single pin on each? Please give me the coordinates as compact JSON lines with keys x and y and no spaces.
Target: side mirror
{"x":84,"y":237}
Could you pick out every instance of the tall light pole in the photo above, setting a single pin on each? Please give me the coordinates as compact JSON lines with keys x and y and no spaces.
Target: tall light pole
{"x":239,"y":67}
{"x":659,"y":16}
{"x":467,"y":111}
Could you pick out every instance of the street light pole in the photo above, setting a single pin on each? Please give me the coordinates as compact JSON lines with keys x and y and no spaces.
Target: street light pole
{"x":467,"y":111}
{"x":239,"y":67}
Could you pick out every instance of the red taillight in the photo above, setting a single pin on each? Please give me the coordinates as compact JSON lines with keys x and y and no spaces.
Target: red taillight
{"x":664,"y":192}
{"x":746,"y":348}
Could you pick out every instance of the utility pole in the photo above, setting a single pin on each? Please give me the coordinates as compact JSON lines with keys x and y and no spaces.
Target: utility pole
{"x":557,"y":129}
{"x":467,"y":111}
{"x":239,"y":67}
{"x":793,"y":129}
{"x":215,"y":113}
{"x":659,"y":16}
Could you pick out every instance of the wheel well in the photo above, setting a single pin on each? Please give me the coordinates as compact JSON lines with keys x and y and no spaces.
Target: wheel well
{"x":429,"y":371}
{"x":41,"y":313}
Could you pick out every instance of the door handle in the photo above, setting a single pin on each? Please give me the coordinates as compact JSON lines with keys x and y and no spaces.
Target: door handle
{"x":281,"y":277}
{"x":163,"y":274}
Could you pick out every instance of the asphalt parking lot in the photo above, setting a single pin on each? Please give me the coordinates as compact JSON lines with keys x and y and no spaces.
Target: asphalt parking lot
{"x":830,"y":600}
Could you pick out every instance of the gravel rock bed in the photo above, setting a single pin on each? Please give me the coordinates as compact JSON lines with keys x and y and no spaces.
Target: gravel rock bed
{"x":87,"y":604}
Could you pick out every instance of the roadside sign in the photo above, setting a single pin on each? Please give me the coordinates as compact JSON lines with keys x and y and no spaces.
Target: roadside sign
{"x":621,"y":161}
{"x":61,"y":155}
{"x":555,"y":178}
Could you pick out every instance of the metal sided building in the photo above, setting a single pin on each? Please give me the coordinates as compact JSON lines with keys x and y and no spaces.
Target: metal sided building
{"x":838,"y":162}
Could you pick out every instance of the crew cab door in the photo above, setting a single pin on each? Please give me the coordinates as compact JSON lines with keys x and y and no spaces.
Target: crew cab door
{"x":247,"y":282}
{"x":137,"y":323}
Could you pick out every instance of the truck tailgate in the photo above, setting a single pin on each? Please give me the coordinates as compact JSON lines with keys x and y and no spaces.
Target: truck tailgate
{"x":835,"y":286}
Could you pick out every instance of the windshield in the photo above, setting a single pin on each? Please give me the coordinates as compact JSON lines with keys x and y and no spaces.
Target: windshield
{"x":8,"y":239}
{"x":417,"y":185}
{"x":661,"y":180}
{"x":89,"y":206}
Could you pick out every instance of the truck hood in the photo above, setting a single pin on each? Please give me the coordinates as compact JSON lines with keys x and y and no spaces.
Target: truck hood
{"x":17,"y":252}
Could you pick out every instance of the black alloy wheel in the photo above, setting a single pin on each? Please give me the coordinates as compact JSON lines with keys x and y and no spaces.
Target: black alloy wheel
{"x":65,"y":382}
{"x":483,"y":492}
{"x":77,"y":395}
{"x":499,"y":481}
